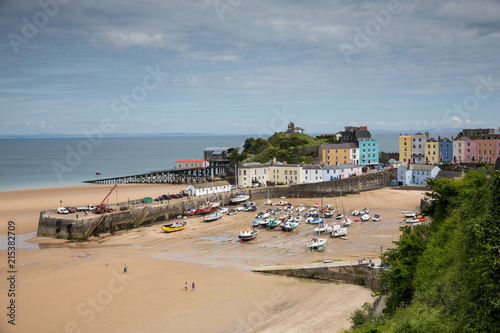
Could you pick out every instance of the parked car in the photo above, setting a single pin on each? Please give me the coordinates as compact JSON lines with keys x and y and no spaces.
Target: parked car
{"x":174,"y":196}
{"x":160,"y":198}
{"x":71,"y":209}
{"x":166,"y":197}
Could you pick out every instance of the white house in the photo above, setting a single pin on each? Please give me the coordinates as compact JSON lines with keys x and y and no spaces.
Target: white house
{"x":311,"y":173}
{"x":416,"y":174}
{"x":208,"y":188}
{"x":250,"y":173}
{"x":355,"y":155}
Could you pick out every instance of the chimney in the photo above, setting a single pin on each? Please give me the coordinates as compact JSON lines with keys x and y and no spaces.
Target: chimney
{"x":439,"y":138}
{"x":452,"y":138}
{"x":426,"y":135}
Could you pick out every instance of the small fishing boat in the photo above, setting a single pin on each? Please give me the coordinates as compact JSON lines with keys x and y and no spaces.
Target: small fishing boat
{"x":289,"y":206}
{"x":412,"y":220}
{"x":328,"y":214}
{"x":410,"y":215}
{"x":232,"y":211}
{"x":204,"y":209}
{"x":316,"y":220}
{"x":239,"y":197}
{"x":212,"y":217}
{"x":257,"y":222}
{"x":289,"y":226}
{"x":223,"y":210}
{"x":214,"y":204}
{"x":365,"y":217}
{"x":339,"y":216}
{"x":316,"y":243}
{"x":247,"y":234}
{"x":301,"y":208}
{"x":273,"y":223}
{"x":347,"y":222}
{"x":316,"y":204}
{"x":176,"y":226}
{"x":356,"y":213}
{"x":190,"y":212}
{"x":321,"y":228}
{"x":376,"y":217}
{"x":339,"y":232}
{"x":268,"y":202}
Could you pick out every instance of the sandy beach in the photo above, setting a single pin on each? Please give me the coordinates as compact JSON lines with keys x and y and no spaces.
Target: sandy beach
{"x":64,"y":286}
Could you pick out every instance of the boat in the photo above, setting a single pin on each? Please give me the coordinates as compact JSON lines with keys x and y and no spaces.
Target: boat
{"x":316,"y":243}
{"x":289,"y":206}
{"x":410,"y":215}
{"x":247,"y":234}
{"x":321,"y":228}
{"x":223,"y":210}
{"x":339,"y":216}
{"x":176,"y":226}
{"x":204,"y":209}
{"x":316,"y":204}
{"x":356,"y":213}
{"x":263,"y":215}
{"x":422,"y":219}
{"x":250,"y":209}
{"x":273,"y":223}
{"x":289,"y":226}
{"x":214,"y":204}
{"x":257,"y":222}
{"x":98,"y":173}
{"x":268,"y":202}
{"x":190,"y":212}
{"x":347,"y":222}
{"x":239,"y":197}
{"x":328,"y":214}
{"x":212,"y":217}
{"x":339,"y":232}
{"x":316,"y":220}
{"x":297,"y":218}
{"x":376,"y":217}
{"x":412,"y":220}
{"x":365,"y":217}
{"x":232,"y":211}
{"x":301,"y":208}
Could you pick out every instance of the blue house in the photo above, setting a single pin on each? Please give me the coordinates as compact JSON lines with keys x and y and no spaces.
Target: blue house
{"x":368,"y":151}
{"x":445,"y":150}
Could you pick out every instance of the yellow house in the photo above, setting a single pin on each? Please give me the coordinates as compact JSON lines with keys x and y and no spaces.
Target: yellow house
{"x":285,"y":173}
{"x":432,"y":151}
{"x":336,"y":154}
{"x":404,"y":148}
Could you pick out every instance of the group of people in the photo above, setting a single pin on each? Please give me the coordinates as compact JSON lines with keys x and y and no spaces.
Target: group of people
{"x":186,"y":286}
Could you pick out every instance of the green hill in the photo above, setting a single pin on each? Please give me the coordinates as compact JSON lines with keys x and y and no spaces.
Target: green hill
{"x":290,"y":148}
{"x":445,"y":276}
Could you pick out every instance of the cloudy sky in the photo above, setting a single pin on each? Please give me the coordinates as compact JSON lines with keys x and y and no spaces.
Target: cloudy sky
{"x":247,"y":66}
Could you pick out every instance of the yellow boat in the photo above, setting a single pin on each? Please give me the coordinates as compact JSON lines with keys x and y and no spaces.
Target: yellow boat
{"x":176,"y":226}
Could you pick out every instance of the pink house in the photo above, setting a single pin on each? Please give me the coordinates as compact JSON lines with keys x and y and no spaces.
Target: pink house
{"x":469,"y":151}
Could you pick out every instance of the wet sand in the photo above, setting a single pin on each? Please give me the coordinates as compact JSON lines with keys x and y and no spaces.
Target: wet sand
{"x":80,"y":286}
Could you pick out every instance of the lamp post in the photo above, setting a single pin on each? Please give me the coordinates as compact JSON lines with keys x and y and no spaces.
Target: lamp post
{"x":380,"y":255}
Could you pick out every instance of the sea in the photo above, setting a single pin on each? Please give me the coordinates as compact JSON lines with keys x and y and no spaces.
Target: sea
{"x":57,"y":162}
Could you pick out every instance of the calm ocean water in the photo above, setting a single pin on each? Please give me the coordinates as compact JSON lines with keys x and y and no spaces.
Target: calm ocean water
{"x":38,"y":163}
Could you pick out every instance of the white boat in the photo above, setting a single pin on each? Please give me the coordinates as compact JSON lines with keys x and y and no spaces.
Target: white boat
{"x":268,"y":202}
{"x":412,"y":220}
{"x":223,"y":210}
{"x":376,"y":217}
{"x":339,"y":216}
{"x":263,"y":215}
{"x":347,"y":222}
{"x":321,"y":228}
{"x":215,"y":204}
{"x":297,"y":218}
{"x":212,"y":217}
{"x":356,"y":213}
{"x":301,"y":208}
{"x":405,"y":212}
{"x":331,"y":228}
{"x":329,"y":206}
{"x":316,"y":220}
{"x":232,"y":211}
{"x":247,"y":234}
{"x":365,"y":217}
{"x":289,"y":226}
{"x":239,"y":197}
{"x":316,"y":243}
{"x":339,"y":232}
{"x":410,"y":215}
{"x":328,"y":214}
{"x":289,"y":207}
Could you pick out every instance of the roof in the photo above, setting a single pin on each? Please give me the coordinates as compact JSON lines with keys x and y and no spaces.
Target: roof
{"x":210,"y":184}
{"x":341,"y":166}
{"x":445,"y":139}
{"x":450,"y":174}
{"x":338,"y":146}
{"x":299,"y":128}
{"x":432,"y":140}
{"x":311,"y":166}
{"x":423,"y":167}
{"x":463,"y":138}
{"x":288,"y":165}
{"x":418,"y":133}
{"x":252,"y":165}
{"x":191,"y":160}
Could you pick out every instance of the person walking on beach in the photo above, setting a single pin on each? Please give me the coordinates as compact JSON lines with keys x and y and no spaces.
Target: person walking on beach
{"x":192,"y":287}
{"x":125,"y":269}
{"x":186,"y":286}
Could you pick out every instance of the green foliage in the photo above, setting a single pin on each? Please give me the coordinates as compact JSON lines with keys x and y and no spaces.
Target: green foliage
{"x":235,"y":157}
{"x":445,"y":277}
{"x":328,"y":138}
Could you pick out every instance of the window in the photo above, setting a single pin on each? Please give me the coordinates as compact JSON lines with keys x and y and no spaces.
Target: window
{"x":244,"y":172}
{"x":328,"y":151}
{"x":286,"y":172}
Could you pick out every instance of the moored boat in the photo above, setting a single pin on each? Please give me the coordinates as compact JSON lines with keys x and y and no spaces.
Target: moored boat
{"x":176,"y":226}
{"x":247,"y":234}
{"x":365,"y":217}
{"x":316,"y":243}
{"x":190,"y":212}
{"x":376,"y":217}
{"x":239,"y":197}
{"x":212,"y":217}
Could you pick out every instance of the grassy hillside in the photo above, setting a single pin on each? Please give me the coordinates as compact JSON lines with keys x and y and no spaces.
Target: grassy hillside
{"x":445,"y":276}
{"x":297,"y":147}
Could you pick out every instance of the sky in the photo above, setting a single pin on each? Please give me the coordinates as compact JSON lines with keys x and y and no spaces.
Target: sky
{"x":247,"y":67}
